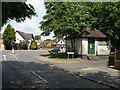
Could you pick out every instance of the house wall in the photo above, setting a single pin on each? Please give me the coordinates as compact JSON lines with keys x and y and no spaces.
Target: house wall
{"x":38,"y":43}
{"x":102,"y":49}
{"x":99,"y":49}
{"x":96,"y":47}
{"x":61,"y":42}
{"x":84,"y":46}
{"x":2,"y":47}
{"x":18,"y":37}
{"x":78,"y":43}
{"x":68,"y":45}
{"x":29,"y":43}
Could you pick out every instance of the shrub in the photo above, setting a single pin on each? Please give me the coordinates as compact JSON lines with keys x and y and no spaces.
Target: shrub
{"x":33,"y":45}
{"x":23,"y":44}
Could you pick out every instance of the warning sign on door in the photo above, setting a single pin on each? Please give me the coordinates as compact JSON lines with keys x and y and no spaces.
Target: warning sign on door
{"x":90,"y":45}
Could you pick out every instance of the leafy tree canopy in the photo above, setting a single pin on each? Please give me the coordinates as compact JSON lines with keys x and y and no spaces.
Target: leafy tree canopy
{"x":37,"y":37}
{"x":9,"y":36}
{"x":68,"y":18}
{"x":107,"y":20}
{"x":47,"y":40}
{"x":16,"y":11}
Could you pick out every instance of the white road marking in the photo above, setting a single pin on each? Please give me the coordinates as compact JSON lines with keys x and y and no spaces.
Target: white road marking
{"x":16,"y":58}
{"x":38,"y":76}
{"x":4,"y":56}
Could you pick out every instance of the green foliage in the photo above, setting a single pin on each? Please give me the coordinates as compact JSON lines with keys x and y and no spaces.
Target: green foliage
{"x":23,"y":44}
{"x":44,"y":45}
{"x":33,"y":45}
{"x":47,"y":40}
{"x":65,"y":18}
{"x":54,"y":40}
{"x":108,"y":20}
{"x":57,"y":56}
{"x":8,"y":36}
{"x":37,"y":37}
{"x":40,"y":46}
{"x":16,"y":11}
{"x":69,"y":18}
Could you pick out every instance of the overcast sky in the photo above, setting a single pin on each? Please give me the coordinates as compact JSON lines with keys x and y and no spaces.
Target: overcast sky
{"x":32,"y":25}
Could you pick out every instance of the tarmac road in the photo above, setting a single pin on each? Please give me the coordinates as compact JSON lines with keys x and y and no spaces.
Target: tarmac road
{"x":22,"y":70}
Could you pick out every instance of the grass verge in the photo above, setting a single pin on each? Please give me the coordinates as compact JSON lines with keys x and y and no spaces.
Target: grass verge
{"x":57,"y":56}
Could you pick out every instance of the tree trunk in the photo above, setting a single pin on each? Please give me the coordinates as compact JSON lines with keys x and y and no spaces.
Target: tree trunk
{"x":73,"y":47}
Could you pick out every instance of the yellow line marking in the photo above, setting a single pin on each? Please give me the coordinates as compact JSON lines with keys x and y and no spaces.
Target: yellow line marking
{"x":86,"y":69}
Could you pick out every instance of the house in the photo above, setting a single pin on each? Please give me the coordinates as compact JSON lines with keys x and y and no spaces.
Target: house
{"x":24,"y":36}
{"x":50,"y":43}
{"x":38,"y":42}
{"x":90,"y":42}
{"x":46,"y":44}
{"x":60,"y":43}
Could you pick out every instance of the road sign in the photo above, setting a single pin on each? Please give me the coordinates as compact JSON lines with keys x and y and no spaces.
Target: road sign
{"x":70,"y":52}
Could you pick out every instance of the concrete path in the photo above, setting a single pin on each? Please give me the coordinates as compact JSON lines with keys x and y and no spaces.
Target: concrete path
{"x":93,"y":70}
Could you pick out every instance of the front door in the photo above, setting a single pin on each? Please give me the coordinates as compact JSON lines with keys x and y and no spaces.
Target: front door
{"x":91,"y":46}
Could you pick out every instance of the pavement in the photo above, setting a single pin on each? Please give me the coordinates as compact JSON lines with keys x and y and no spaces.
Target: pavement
{"x":96,"y":71}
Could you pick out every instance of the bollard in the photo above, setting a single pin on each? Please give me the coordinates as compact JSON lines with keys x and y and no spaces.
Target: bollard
{"x":12,"y":50}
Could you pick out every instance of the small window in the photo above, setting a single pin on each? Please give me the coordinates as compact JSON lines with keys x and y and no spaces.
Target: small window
{"x":102,"y":43}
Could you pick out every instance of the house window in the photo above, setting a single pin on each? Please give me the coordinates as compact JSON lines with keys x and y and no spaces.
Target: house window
{"x":102,"y":43}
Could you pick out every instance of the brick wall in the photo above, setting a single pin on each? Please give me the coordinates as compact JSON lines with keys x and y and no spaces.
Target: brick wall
{"x":2,"y":47}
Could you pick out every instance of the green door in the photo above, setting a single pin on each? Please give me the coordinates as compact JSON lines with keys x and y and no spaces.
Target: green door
{"x":91,"y":46}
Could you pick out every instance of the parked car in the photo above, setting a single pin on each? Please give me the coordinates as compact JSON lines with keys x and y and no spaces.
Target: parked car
{"x":54,"y":50}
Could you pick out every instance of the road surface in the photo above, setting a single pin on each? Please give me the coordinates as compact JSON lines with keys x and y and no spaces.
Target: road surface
{"x":22,"y":70}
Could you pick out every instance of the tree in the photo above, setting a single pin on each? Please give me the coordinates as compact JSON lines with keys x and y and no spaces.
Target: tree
{"x":107,"y":16}
{"x":16,"y":11}
{"x":54,"y":40}
{"x":23,"y":44}
{"x":69,"y":18}
{"x":66,"y":19}
{"x":37,"y":37}
{"x":47,"y":40}
{"x":33,"y":45}
{"x":8,"y":36}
